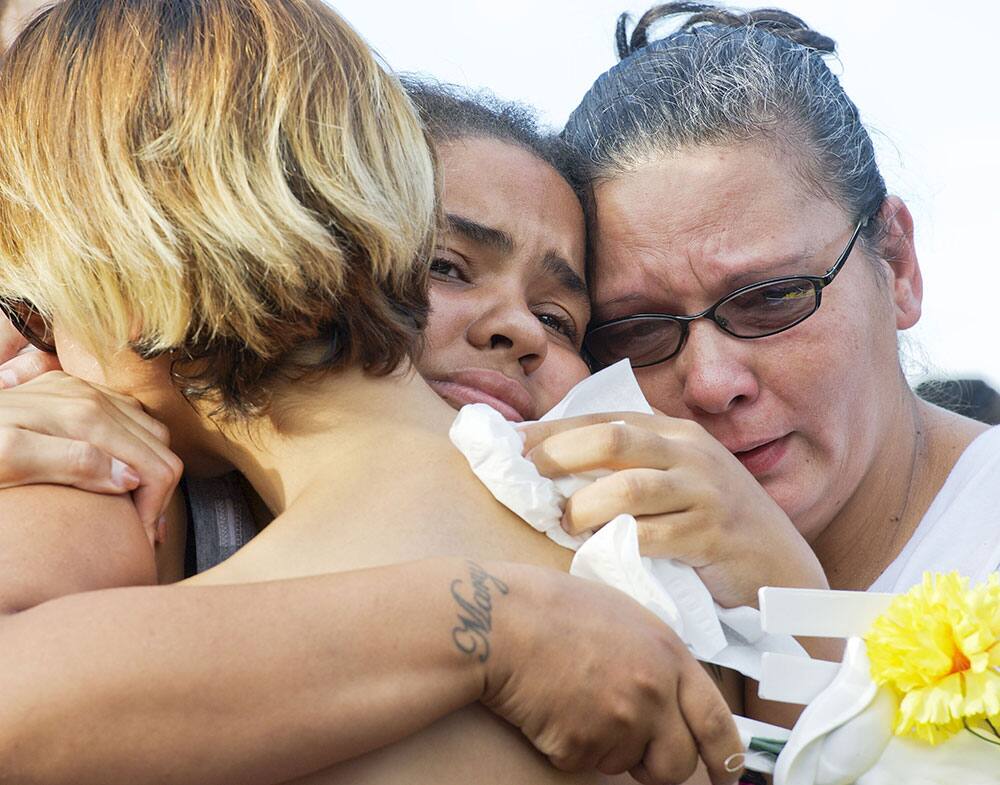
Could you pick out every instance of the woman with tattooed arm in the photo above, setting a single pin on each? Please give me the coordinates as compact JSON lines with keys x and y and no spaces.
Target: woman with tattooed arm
{"x":300,"y":382}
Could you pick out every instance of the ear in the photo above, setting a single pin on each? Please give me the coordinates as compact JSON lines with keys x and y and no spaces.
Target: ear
{"x":895,"y":246}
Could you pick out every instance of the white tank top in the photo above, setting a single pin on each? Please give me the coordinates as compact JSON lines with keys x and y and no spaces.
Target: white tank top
{"x":961,"y":529}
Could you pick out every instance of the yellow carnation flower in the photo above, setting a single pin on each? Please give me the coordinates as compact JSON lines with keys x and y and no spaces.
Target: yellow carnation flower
{"x":938,"y":646}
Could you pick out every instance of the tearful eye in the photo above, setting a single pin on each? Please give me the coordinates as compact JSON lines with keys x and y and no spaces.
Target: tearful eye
{"x":781,"y":294}
{"x":446,"y":270}
{"x":560,"y":324}
{"x":770,"y":297}
{"x":767,"y":308}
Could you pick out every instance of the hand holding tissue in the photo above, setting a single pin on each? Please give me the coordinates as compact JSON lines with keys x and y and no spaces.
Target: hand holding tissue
{"x":845,"y":736}
{"x":730,"y":637}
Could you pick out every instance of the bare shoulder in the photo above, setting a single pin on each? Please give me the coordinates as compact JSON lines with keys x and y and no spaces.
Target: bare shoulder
{"x":947,"y":435}
{"x":953,"y":431}
{"x":362,"y":517}
{"x":56,"y":540}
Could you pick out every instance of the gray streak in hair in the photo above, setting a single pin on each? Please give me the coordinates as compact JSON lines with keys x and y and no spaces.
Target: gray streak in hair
{"x":725,"y":78}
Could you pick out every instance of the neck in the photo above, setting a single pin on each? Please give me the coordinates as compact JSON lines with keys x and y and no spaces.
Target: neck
{"x":14,"y":15}
{"x":914,"y":458}
{"x":325,"y":428}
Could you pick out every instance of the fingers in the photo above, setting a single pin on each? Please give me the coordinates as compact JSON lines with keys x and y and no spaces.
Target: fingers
{"x":624,"y":755}
{"x":613,"y":445}
{"x":62,"y":406}
{"x":132,"y":409}
{"x":711,"y":724}
{"x":31,"y":458}
{"x":127,"y":433}
{"x":671,"y":759}
{"x":11,"y":340}
{"x":683,"y":535}
{"x":537,"y":432}
{"x":26,"y":366}
{"x":640,"y":775}
{"x":668,"y":522}
{"x":636,"y":492}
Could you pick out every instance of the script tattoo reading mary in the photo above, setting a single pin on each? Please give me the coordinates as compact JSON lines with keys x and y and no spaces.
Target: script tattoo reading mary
{"x":475,"y":619}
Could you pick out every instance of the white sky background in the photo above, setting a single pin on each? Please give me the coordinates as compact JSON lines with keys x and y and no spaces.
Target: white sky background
{"x":925,"y":77}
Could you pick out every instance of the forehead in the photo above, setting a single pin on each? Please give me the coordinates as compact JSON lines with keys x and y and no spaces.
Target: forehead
{"x":688,"y":221}
{"x":506,"y":187}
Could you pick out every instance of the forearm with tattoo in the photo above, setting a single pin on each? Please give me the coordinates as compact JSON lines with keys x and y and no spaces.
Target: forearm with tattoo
{"x":475,"y":597}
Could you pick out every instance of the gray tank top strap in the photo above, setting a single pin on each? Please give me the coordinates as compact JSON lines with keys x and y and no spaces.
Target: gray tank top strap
{"x":220,"y":518}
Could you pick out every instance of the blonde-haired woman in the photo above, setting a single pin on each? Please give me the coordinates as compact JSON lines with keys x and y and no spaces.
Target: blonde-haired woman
{"x":224,"y":211}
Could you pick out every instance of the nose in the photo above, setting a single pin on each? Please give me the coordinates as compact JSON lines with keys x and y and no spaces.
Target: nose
{"x":713,"y":374}
{"x":507,"y":325}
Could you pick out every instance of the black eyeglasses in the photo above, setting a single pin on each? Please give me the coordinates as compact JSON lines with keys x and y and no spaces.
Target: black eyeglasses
{"x":29,"y":323}
{"x":754,"y":311}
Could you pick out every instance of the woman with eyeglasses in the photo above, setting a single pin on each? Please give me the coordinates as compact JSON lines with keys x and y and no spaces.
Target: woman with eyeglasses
{"x":751,"y":265}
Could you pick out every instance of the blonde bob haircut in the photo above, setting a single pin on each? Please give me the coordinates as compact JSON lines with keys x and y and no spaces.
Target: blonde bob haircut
{"x":237,"y":183}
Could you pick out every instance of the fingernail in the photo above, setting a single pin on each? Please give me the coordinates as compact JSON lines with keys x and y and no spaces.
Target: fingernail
{"x":7,"y":379}
{"x":123,"y":475}
{"x":161,"y":529}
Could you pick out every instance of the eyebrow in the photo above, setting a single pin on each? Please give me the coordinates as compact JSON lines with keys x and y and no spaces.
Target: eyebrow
{"x":782,"y":269}
{"x":479,"y":233}
{"x":501,"y":241}
{"x":567,"y":277}
{"x":788,"y":266}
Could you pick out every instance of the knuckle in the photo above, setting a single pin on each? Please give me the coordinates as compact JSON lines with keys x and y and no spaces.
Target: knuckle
{"x":160,"y":432}
{"x":10,"y":445}
{"x":672,"y":766}
{"x":690,"y":431}
{"x":616,"y":439}
{"x":711,"y":552}
{"x":653,"y":685}
{"x":574,"y":752}
{"x":716,"y":724}
{"x":176,"y":469}
{"x":631,"y":488}
{"x":129,"y":401}
{"x":649,"y":535}
{"x":623,"y":714}
{"x":39,"y":362}
{"x":162,"y":473}
{"x":86,"y":409}
{"x":82,"y":459}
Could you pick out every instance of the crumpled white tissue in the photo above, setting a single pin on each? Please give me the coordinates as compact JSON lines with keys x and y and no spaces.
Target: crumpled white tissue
{"x":731,"y":637}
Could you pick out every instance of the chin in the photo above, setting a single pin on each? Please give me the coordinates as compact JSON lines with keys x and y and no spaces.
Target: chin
{"x":788,"y":495}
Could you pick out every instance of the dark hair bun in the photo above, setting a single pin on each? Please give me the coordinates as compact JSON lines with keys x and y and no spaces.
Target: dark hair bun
{"x":773,"y":20}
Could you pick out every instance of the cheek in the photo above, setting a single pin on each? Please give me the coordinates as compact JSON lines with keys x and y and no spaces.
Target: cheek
{"x":450,"y":316}
{"x":77,"y":361}
{"x":562,"y":370}
{"x":661,"y":388}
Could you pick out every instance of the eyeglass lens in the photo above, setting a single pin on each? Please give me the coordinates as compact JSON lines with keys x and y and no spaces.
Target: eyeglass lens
{"x":30,"y":324}
{"x":754,"y":313}
{"x":767,"y":308}
{"x":644,"y":340}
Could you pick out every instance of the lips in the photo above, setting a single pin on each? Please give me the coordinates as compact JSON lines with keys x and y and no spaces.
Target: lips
{"x":493,"y":388}
{"x":762,"y":457}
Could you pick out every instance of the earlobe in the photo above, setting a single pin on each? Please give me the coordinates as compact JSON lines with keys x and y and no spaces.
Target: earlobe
{"x":896,"y":247}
